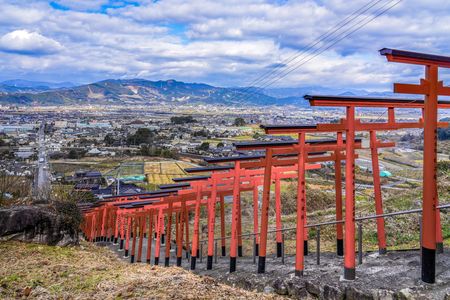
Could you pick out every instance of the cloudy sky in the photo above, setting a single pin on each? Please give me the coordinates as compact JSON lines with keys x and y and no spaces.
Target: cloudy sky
{"x":225,"y":43}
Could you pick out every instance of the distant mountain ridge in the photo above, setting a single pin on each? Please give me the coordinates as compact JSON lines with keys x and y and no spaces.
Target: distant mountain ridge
{"x":23,"y":86}
{"x":141,"y":92}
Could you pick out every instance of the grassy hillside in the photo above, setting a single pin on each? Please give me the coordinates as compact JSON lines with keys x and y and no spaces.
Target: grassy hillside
{"x":89,"y":272}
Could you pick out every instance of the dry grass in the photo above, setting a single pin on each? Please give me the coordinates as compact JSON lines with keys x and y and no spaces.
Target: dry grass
{"x":162,"y":172}
{"x":89,"y":272}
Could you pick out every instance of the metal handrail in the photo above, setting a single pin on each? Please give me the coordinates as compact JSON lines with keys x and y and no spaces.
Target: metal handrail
{"x":359,"y":219}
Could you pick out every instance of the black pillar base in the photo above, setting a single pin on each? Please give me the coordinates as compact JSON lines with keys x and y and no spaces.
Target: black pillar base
{"x":148,"y":261}
{"x":340,"y":247}
{"x":428,"y":265}
{"x":198,"y":253}
{"x":279,"y":249}
{"x":257,"y":250}
{"x":162,"y":238}
{"x":349,"y":274}
{"x":262,"y":264}
{"x":126,"y":253}
{"x":224,"y":252}
{"x":439,"y":248}
{"x":305,"y":249}
{"x":209,"y":262}
{"x":187,"y":254}
{"x":382,"y":251}
{"x":240,"y":251}
{"x":232,"y":264}
{"x":179,"y":261}
{"x":156,"y":261}
{"x":299,"y":273}
{"x":193,"y":261}
{"x":115,"y":241}
{"x":167,"y":261}
{"x":132,"y":259}
{"x":121,"y":245}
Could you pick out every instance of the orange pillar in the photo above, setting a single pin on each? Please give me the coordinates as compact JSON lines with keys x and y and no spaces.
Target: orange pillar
{"x":122,"y":231}
{"x":134,"y":233}
{"x":377,"y":192}
{"x":180,"y":237}
{"x":149,"y":236}
{"x":349,"y":243}
{"x":168,"y":233}
{"x":103,"y":232}
{"x":279,"y":237}
{"x":255,"y":217}
{"x":265,"y":212}
{"x":222,"y":224}
{"x":211,"y":222}
{"x":141,"y":237}
{"x":195,"y":238}
{"x":116,"y":229}
{"x":127,"y":242}
{"x":338,"y":183}
{"x":186,"y":222}
{"x":239,"y":225}
{"x":159,"y":229}
{"x":301,"y":207}
{"x":429,"y":177}
{"x":234,"y":217}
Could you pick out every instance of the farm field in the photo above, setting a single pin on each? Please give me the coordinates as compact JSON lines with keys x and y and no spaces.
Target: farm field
{"x":162,"y":172}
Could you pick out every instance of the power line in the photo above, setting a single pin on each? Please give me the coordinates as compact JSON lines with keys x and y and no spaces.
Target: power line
{"x":323,"y":48}
{"x":325,"y":35}
{"x":335,"y":42}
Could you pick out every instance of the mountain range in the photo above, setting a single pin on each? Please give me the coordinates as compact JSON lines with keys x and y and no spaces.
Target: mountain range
{"x":144,"y":92}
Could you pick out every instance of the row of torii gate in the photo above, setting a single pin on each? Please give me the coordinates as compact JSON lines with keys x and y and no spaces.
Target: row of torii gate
{"x":127,"y":219}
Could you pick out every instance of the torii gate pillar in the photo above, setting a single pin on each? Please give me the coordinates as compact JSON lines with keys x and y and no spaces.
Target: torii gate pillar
{"x":431,"y":87}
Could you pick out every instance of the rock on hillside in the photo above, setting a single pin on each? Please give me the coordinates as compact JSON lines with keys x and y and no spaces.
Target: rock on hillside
{"x":38,"y":224}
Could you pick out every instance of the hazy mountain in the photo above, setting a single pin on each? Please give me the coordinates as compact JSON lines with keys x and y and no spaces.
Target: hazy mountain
{"x":141,"y":91}
{"x":320,"y":90}
{"x":24,"y":86}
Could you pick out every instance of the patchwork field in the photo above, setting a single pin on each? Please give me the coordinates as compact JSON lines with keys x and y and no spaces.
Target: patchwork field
{"x":162,"y":172}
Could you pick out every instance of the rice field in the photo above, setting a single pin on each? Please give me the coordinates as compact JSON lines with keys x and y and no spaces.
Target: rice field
{"x":162,"y":172}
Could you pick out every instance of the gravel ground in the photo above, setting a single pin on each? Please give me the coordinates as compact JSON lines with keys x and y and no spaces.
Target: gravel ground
{"x":395,"y":275}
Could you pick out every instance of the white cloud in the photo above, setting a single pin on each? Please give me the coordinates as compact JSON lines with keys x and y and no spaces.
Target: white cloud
{"x":28,"y":43}
{"x":228,"y":42}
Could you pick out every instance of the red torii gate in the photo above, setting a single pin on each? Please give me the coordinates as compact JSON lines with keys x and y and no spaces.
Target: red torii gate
{"x":301,"y":130}
{"x":164,"y":194}
{"x":302,"y":150}
{"x":256,"y":179}
{"x":431,"y":87}
{"x":245,"y":164}
{"x":350,"y":125}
